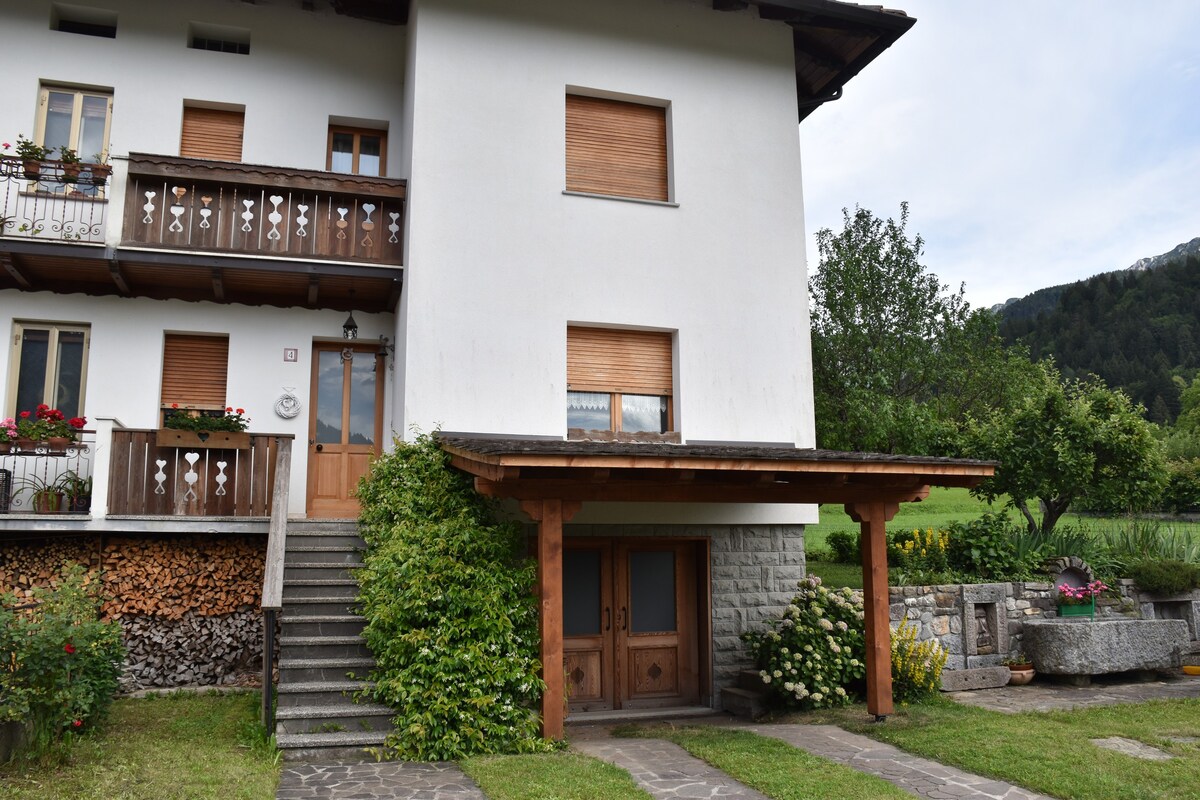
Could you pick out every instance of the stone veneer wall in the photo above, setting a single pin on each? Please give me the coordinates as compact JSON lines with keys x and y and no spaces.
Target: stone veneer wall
{"x":948,"y":613}
{"x":755,"y":569}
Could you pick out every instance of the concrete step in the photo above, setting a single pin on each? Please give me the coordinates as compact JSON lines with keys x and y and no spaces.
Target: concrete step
{"x":349,"y":717}
{"x":322,"y":625}
{"x":307,"y":606}
{"x":339,"y":525}
{"x":323,"y":647}
{"x":311,"y":670}
{"x":317,"y":570}
{"x":743,"y":702}
{"x":319,"y":587}
{"x":349,"y":539}
{"x":325,"y":748}
{"x":317,"y":693}
{"x":320,"y":554}
{"x":750,"y":679}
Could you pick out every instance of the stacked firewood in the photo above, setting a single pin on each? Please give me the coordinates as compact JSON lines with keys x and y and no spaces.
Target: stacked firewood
{"x":170,"y":577}
{"x":24,"y":565}
{"x":192,"y":649}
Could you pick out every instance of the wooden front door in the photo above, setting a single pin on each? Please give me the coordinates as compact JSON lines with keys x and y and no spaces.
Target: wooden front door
{"x":345,"y":428}
{"x":630,"y":624}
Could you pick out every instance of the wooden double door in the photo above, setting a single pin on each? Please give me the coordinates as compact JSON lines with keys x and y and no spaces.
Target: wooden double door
{"x":632,"y":623}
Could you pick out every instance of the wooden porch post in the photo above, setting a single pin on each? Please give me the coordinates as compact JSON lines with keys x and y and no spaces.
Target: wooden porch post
{"x":550,"y":516}
{"x":871,"y":517}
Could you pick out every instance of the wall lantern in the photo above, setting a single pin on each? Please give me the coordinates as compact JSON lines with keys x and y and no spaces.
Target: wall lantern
{"x":350,"y":327}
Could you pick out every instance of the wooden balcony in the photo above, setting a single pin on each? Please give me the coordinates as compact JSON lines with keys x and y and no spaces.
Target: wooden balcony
{"x":148,"y":480}
{"x":242,"y":209}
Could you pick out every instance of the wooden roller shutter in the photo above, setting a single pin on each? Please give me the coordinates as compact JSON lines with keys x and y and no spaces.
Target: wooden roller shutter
{"x":616,"y":148}
{"x":211,"y":133}
{"x":609,"y":360}
{"x":195,"y":370}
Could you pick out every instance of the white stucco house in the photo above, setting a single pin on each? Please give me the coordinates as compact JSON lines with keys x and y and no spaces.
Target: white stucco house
{"x":572,"y":224}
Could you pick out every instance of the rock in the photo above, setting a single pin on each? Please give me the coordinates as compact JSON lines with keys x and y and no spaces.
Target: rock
{"x":1081,"y":647}
{"x":963,"y":680}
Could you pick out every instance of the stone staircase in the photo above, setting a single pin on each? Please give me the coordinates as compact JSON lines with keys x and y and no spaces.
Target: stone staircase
{"x":748,"y":698}
{"x":321,"y":650}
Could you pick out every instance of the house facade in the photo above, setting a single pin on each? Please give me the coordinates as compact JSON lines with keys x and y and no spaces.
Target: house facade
{"x":542,"y":220}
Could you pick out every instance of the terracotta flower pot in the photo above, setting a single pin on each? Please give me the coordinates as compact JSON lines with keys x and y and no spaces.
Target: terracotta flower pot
{"x":58,"y":444}
{"x":33,"y":169}
{"x":5,"y":447}
{"x":47,"y":502}
{"x":1020,"y":677}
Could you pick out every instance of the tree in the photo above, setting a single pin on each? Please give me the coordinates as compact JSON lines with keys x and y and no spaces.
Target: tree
{"x":1070,"y":441}
{"x":899,"y":362}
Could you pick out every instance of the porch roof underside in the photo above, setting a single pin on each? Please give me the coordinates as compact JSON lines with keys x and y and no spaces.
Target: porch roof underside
{"x":67,"y":268}
{"x":651,"y":472}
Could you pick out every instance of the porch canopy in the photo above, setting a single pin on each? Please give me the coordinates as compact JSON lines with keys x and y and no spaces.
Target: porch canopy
{"x":551,"y":478}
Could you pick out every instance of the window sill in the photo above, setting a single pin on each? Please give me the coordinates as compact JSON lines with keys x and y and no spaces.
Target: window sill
{"x":622,"y":198}
{"x":581,"y":435}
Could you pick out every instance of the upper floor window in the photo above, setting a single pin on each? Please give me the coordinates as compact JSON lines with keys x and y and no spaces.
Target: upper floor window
{"x":358,"y":151}
{"x":78,"y":119}
{"x":194,"y":372}
{"x":49,"y":365}
{"x":616,"y":148}
{"x":219,"y":38}
{"x":619,"y":384}
{"x":214,"y":133}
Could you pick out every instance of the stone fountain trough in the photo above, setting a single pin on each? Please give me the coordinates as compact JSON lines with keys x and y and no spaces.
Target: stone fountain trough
{"x":1082,"y":647}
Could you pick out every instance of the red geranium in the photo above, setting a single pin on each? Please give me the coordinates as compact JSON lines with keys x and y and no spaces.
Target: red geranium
{"x":78,"y":423}
{"x":70,"y":648}
{"x":24,"y":415}
{"x":77,"y":723}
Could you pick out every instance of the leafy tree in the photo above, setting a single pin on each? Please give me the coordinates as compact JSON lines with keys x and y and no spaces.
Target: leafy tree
{"x":898,"y":360}
{"x":1071,"y":441}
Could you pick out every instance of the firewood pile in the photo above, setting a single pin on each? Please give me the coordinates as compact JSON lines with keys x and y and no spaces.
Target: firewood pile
{"x":188,"y":605}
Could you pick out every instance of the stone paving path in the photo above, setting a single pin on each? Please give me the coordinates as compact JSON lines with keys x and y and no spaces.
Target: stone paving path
{"x":666,"y":770}
{"x":920,"y":776}
{"x":404,"y":780}
{"x":1045,"y":695}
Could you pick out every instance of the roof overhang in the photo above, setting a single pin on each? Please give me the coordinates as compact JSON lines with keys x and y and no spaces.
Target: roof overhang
{"x":833,"y":40}
{"x":649,"y":472}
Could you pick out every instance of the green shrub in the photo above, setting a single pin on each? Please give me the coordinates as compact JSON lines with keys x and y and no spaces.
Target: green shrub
{"x":814,"y":655}
{"x":1182,"y":493}
{"x":984,"y":548}
{"x":916,"y":667}
{"x":1134,"y":540}
{"x":1165,"y":577}
{"x":451,"y":618}
{"x":60,"y":664}
{"x":844,"y":545}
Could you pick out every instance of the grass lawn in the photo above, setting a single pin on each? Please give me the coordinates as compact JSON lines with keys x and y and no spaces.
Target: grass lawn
{"x":775,"y":768}
{"x":181,"y":746}
{"x":1048,"y":752}
{"x":553,"y":776}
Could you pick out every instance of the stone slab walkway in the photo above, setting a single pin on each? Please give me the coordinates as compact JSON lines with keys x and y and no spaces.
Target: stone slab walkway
{"x":404,"y":780}
{"x":920,"y":776}
{"x":666,"y":770}
{"x":1045,"y":695}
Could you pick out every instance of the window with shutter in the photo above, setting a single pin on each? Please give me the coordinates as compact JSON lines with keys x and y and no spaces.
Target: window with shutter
{"x":212,"y":133}
{"x":619,"y":382}
{"x":616,"y":148}
{"x":195,"y":369}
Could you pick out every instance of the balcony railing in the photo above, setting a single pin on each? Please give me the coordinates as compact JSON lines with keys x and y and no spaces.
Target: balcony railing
{"x":189,"y":204}
{"x":64,"y":478}
{"x":148,"y":480}
{"x":62,"y":203}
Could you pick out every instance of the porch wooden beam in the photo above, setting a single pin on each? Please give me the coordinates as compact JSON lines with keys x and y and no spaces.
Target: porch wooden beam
{"x":489,"y":472}
{"x":118,"y":277}
{"x":644,"y":491}
{"x":314,"y":290}
{"x":11,"y":268}
{"x":550,"y":515}
{"x":872,"y":516}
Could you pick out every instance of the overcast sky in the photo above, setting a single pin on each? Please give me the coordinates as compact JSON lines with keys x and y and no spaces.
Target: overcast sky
{"x":1037,"y":142}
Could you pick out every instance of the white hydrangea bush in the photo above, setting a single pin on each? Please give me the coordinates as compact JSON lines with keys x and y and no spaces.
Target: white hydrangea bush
{"x":814,"y":656}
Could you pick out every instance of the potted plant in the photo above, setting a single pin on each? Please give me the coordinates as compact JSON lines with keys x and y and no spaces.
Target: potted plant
{"x":1021,"y":669}
{"x":8,"y":435}
{"x":100,"y":168}
{"x":31,"y":156}
{"x":192,"y":427}
{"x":45,"y":494}
{"x":1079,"y":601}
{"x":70,"y":162}
{"x":77,"y":491}
{"x":49,"y":425}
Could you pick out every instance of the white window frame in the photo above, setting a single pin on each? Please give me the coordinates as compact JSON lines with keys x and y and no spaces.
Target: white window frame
{"x":76,"y":116}
{"x":49,"y":389}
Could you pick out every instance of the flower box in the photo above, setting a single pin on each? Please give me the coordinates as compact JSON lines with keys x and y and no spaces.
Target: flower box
{"x":1087,"y":610}
{"x":200,"y":440}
